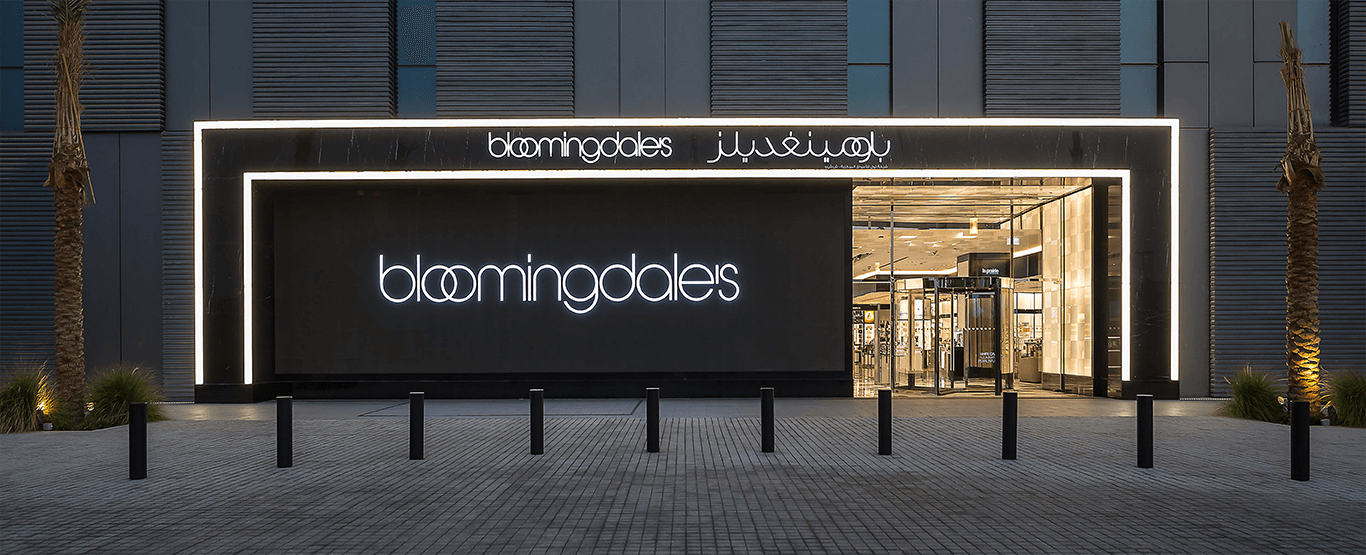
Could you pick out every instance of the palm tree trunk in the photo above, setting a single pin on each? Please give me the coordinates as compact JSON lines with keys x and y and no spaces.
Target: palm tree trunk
{"x":68,"y":318}
{"x":69,"y":176}
{"x":1301,"y":179}
{"x":1302,"y":293}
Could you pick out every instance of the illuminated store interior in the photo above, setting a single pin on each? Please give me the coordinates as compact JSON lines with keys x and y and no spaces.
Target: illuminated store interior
{"x":933,"y":259}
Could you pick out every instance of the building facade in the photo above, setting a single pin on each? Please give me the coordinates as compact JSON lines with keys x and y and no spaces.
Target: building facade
{"x":1212,"y":66}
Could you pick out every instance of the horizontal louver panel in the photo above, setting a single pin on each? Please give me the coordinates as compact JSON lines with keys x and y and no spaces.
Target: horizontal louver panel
{"x":1248,"y":251}
{"x":779,"y":58}
{"x":125,"y":87}
{"x":1348,"y":70}
{"x":1051,"y":59}
{"x":26,"y":267}
{"x":323,"y":59}
{"x":505,"y":59}
{"x":177,"y":264}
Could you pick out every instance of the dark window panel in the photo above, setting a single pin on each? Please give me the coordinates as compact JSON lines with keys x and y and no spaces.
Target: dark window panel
{"x":505,"y":59}
{"x":323,"y":59}
{"x":772,"y":58}
{"x":1052,"y":59}
{"x":125,"y":87}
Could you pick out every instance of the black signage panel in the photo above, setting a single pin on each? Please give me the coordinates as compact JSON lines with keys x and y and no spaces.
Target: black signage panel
{"x":409,"y":278}
{"x":696,"y":147}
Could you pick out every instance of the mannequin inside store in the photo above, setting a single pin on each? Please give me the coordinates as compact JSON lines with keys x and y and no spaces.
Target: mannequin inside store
{"x":973,"y":287}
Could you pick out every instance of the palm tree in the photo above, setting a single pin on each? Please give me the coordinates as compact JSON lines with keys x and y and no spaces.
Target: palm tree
{"x":1301,"y":179}
{"x":69,"y":177}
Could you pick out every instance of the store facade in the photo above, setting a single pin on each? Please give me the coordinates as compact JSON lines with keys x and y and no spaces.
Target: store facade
{"x":1214,"y":66}
{"x":596,"y":257}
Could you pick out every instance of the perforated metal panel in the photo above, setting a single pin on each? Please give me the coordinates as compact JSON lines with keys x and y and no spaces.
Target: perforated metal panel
{"x":26,"y":267}
{"x":779,"y":58}
{"x":505,"y":59}
{"x":416,"y":34}
{"x":177,"y":264}
{"x":1248,"y":251}
{"x":1051,"y":59}
{"x":323,"y":58}
{"x":125,"y":88}
{"x":1348,"y":71}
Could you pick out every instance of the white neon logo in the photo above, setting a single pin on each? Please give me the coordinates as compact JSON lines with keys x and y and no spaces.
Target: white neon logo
{"x":588,"y":149}
{"x":853,"y":146}
{"x":458,"y":283}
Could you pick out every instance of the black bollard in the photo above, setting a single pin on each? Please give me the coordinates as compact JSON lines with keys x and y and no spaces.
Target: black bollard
{"x":652,"y":419}
{"x":1145,"y":431}
{"x":284,"y":431}
{"x":415,"y":423}
{"x":537,"y":421}
{"x":1299,"y":441}
{"x":1010,"y":408}
{"x":766,"y":418}
{"x":884,"y":421}
{"x":137,"y":441}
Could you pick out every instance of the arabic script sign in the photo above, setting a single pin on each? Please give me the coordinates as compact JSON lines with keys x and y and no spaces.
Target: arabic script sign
{"x":854,"y":147}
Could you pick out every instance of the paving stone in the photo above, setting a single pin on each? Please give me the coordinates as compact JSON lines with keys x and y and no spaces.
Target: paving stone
{"x":1220,"y":486}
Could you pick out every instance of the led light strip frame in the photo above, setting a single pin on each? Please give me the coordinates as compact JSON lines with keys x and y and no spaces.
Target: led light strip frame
{"x":459,"y":175}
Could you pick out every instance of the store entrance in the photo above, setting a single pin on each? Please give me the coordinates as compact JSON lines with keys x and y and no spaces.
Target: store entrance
{"x":956,"y":333}
{"x":873,"y":344}
{"x":980,"y":286}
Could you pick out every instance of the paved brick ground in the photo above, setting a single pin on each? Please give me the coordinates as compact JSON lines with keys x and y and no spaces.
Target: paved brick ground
{"x":1220,"y":486}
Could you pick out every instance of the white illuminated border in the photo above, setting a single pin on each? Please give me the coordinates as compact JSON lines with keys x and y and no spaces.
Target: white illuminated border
{"x":460,"y":175}
{"x":249,"y":179}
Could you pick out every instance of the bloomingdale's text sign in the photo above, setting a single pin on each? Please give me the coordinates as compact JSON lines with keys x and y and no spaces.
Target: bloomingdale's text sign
{"x":726,"y":148}
{"x":410,"y":279}
{"x":646,"y":147}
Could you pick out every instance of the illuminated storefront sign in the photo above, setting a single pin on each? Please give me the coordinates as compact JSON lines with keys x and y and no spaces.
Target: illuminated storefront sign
{"x":589,"y":149}
{"x":239,"y":166}
{"x":459,"y":283}
{"x":855,"y":147}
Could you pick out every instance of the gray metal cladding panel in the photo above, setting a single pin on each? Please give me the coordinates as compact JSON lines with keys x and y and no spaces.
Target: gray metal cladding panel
{"x":323,"y":59}
{"x":125,"y":87}
{"x":1248,"y":250}
{"x":1348,"y":57}
{"x":1048,"y":59}
{"x":26,"y":266}
{"x":505,"y":59}
{"x":177,"y":264}
{"x":779,"y":58}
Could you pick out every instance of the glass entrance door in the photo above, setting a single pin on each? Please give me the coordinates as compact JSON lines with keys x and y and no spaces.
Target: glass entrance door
{"x":958,"y":324}
{"x":946,"y":341}
{"x":873,"y":333}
